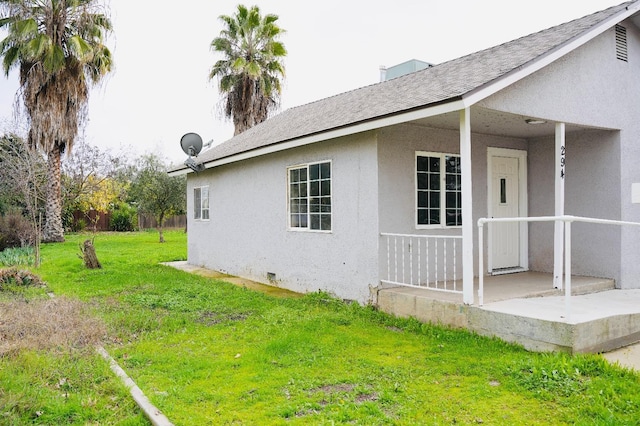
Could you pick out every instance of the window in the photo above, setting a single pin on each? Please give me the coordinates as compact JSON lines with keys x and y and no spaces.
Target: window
{"x":201,"y":203}
{"x":439,"y":190}
{"x":310,"y":197}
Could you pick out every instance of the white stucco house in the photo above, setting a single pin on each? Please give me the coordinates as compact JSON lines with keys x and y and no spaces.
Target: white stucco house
{"x":384,"y":185}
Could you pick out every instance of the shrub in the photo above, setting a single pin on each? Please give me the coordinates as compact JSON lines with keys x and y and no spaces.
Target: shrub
{"x":123,"y":218}
{"x":18,"y":277}
{"x":68,"y":221}
{"x":15,"y":231}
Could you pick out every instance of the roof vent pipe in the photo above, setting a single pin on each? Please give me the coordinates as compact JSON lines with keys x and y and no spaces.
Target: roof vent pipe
{"x":383,"y":73}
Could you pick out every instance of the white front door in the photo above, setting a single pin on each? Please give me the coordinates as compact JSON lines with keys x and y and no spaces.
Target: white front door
{"x":505,"y":202}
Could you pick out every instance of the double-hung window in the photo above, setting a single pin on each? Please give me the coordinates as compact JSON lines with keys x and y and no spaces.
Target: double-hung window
{"x":439,"y":190}
{"x":309,"y":188}
{"x":201,"y":203}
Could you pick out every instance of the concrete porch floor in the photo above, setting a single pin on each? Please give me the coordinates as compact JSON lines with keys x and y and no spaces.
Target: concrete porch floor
{"x":515,"y":286}
{"x":524,"y":308}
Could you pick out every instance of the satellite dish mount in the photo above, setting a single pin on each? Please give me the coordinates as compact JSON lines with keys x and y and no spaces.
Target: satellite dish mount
{"x":191,"y":144}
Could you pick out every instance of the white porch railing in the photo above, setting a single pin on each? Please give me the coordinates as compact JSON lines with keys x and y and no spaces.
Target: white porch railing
{"x":567,"y":220}
{"x":423,"y":261}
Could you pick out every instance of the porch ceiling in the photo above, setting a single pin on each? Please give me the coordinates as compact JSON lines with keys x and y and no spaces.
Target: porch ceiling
{"x":491,"y":122}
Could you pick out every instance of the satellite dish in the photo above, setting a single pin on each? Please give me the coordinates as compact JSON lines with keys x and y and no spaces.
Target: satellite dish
{"x":191,"y":144}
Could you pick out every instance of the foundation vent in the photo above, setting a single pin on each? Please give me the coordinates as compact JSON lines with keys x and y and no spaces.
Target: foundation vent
{"x":621,"y":43}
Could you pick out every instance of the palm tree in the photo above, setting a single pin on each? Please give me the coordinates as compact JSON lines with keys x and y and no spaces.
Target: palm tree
{"x":250,"y":72}
{"x":58,"y":47}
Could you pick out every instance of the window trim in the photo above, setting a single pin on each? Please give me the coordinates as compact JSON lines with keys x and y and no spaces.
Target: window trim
{"x":443,"y":193}
{"x":199,"y":210}
{"x":288,"y":200}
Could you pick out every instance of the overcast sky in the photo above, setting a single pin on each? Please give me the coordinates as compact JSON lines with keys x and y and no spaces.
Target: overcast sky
{"x":160,"y":90}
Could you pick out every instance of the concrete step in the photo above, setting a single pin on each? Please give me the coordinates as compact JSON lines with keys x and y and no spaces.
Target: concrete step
{"x":593,"y":286}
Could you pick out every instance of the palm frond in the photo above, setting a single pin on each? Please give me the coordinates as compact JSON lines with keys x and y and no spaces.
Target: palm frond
{"x":37,"y":47}
{"x":23,"y":29}
{"x":80,"y":48}
{"x":10,"y":59}
{"x":253,"y":70}
{"x":54,"y":59}
{"x":278,"y":49}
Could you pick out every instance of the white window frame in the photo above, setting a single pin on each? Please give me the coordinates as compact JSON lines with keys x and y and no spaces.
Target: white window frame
{"x":201,"y":204}
{"x":443,"y":192}
{"x":308,"y":208}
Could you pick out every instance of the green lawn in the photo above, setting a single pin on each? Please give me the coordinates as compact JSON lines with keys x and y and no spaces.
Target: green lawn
{"x":207,"y":352}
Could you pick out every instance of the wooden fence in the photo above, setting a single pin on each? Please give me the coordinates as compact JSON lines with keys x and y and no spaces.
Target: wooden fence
{"x":101,"y":221}
{"x":149,"y":222}
{"x":91,"y":220}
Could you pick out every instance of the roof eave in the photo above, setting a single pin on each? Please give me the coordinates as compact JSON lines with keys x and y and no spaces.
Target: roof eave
{"x":179,"y":172}
{"x":449,"y":105}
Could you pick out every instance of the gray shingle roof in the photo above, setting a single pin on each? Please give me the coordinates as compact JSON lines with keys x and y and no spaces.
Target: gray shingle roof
{"x":442,"y":83}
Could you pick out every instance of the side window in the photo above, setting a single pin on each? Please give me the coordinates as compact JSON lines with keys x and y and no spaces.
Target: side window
{"x":438,"y":190}
{"x":201,"y":203}
{"x":204,"y":196}
{"x":309,"y":194}
{"x":197,"y":203}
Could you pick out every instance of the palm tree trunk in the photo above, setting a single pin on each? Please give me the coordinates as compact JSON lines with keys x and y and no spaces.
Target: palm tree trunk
{"x":52,"y":231}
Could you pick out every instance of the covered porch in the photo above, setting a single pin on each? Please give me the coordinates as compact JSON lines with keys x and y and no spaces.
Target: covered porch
{"x":512,"y":186}
{"x":510,"y":166}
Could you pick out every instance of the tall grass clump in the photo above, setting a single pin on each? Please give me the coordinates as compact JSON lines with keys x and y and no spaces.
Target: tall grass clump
{"x":48,"y":324}
{"x":17,"y":256}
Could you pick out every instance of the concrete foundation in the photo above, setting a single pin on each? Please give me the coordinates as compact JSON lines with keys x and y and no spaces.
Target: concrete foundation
{"x":598,"y":318}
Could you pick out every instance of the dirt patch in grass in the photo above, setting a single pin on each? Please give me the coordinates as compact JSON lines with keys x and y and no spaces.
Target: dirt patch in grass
{"x":342,"y":392}
{"x":367,"y":397}
{"x":47,"y":324}
{"x":347,"y":388}
{"x":209,"y":318}
{"x":341,"y":387}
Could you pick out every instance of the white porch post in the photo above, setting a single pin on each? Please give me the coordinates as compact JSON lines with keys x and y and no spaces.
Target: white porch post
{"x":558,"y":240}
{"x":467,"y":207}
